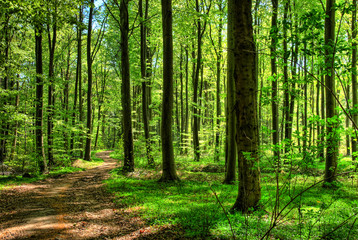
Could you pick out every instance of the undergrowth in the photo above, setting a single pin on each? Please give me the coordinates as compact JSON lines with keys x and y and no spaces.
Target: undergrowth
{"x":191,"y":203}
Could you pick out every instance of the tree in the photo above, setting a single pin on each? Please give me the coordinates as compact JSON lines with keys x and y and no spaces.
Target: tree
{"x":230,"y":144}
{"x":78,"y":86}
{"x":244,"y":72}
{"x":143,"y":67}
{"x":168,"y":163}
{"x":200,"y":32}
{"x":274,"y":37}
{"x":51,"y":76}
{"x":354,"y":74}
{"x":218,"y":82}
{"x":40,"y":152}
{"x":331,"y":116}
{"x":126,"y":90}
{"x":89,"y":86}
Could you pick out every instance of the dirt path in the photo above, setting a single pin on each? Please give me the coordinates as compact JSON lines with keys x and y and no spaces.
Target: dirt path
{"x":71,"y":206}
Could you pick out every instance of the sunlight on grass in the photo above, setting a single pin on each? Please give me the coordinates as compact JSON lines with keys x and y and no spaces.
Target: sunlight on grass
{"x":191,"y":203}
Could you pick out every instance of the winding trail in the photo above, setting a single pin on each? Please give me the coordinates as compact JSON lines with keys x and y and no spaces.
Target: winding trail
{"x":70,"y":206}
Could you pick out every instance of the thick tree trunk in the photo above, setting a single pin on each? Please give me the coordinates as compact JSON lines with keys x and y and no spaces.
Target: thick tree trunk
{"x":126,"y":91}
{"x":247,"y":137}
{"x":168,"y":164}
{"x":332,"y":138}
{"x":40,"y":151}
{"x":89,"y":86}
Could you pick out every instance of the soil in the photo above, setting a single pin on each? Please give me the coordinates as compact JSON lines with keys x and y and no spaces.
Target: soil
{"x":72,"y":206}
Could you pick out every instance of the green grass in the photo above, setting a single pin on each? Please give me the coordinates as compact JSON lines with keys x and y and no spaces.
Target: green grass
{"x":191,"y":203}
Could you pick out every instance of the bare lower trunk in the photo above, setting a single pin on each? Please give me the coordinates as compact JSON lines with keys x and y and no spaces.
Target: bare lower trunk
{"x":247,"y":136}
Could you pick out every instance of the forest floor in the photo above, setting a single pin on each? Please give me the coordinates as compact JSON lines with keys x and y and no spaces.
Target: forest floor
{"x":71,"y":206}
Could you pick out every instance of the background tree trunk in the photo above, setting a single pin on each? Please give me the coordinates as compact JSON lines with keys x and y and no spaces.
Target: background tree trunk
{"x":332,"y":138}
{"x":51,"y":76}
{"x":168,"y":165}
{"x":230,"y":145}
{"x":40,"y":151}
{"x":89,"y":86}
{"x":126,"y":91}
{"x":143,"y":67}
{"x":275,"y":127}
{"x":354,"y":75}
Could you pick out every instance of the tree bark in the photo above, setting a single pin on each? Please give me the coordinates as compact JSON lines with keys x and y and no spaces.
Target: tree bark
{"x":143,"y":64}
{"x":126,"y":91}
{"x":78,"y":78}
{"x":89,"y":86}
{"x":244,"y":73}
{"x":40,"y":151}
{"x":286,"y":87}
{"x":51,"y":76}
{"x":218,"y":90}
{"x":332,"y":138}
{"x":168,"y":163}
{"x":354,"y":75}
{"x":274,"y":97}
{"x":195,"y":89}
{"x":230,"y":145}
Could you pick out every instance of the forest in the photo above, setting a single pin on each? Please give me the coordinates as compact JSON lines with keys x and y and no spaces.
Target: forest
{"x":205,"y":119}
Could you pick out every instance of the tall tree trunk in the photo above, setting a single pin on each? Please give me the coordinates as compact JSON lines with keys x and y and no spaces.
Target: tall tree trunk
{"x":293,"y":88}
{"x":319,"y":132}
{"x":195,"y":85}
{"x":246,"y":101}
{"x":17,"y":102}
{"x":126,"y":91}
{"x":304,"y":115}
{"x":143,"y":64}
{"x":51,"y":76}
{"x":182,"y":117}
{"x":332,"y":138}
{"x":40,"y":151}
{"x":354,"y":74}
{"x":348,"y":153}
{"x":78,"y":78}
{"x":286,"y":87}
{"x":275,"y":127}
{"x":323,"y":116}
{"x":168,"y":164}
{"x":89,"y":86}
{"x":218,"y":81}
{"x":230,"y":145}
{"x":66,"y":94}
{"x":186,"y":96}
{"x":4,"y":131}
